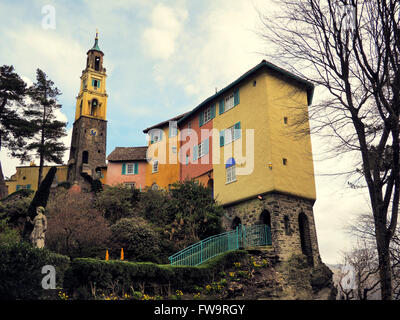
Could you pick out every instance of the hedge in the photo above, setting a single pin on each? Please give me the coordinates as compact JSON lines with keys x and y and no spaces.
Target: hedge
{"x":119,"y":277}
{"x":21,"y":271}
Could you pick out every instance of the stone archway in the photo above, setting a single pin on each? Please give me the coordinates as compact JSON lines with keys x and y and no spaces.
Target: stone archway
{"x":265,"y":218}
{"x":305,"y":238}
{"x":236,"y":222}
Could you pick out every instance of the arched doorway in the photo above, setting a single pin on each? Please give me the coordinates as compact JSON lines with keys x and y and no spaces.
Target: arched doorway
{"x":265,"y":218}
{"x":305,"y":238}
{"x":236,"y":222}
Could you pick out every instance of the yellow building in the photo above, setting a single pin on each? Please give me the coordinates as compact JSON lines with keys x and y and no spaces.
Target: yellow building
{"x":162,"y":169}
{"x":262,"y":170}
{"x":26,"y":177}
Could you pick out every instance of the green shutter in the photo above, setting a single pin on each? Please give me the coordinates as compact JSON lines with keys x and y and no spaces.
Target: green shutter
{"x":195,"y":153}
{"x":237,"y":131}
{"x":18,"y":187}
{"x":123,"y":168}
{"x":236,"y":97}
{"x":222,"y":138}
{"x":201,"y":119}
{"x":92,"y":82}
{"x":136,"y":168}
{"x":206,"y":146}
{"x":98,"y":83}
{"x":28,"y":187}
{"x":221,"y":106}
{"x":213,"y":111}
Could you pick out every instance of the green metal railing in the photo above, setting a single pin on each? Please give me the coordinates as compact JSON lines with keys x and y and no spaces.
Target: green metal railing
{"x":242,"y":237}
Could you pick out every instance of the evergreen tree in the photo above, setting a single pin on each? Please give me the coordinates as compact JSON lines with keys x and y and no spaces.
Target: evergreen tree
{"x":46,"y":142}
{"x":14,"y":128}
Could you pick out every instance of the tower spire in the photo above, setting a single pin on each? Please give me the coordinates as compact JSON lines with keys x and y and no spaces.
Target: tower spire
{"x":96,"y":42}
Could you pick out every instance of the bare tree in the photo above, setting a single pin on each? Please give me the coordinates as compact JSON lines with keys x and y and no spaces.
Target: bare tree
{"x":352,"y":49}
{"x":362,"y":229}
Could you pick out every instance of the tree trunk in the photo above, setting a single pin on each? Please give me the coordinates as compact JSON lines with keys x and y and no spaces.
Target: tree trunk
{"x":385,"y":270}
{"x":3,"y":187}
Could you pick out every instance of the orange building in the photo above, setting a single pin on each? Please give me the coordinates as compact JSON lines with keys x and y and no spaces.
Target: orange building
{"x":162,"y":154}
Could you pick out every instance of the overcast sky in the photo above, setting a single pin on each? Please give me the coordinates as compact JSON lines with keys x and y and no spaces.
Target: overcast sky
{"x":162,"y":58}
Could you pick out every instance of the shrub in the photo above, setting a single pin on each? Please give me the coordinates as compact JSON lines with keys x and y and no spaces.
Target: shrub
{"x":145,"y":276}
{"x":20,"y":270}
{"x":138,"y":239}
{"x":115,"y":202}
{"x":15,"y":207}
{"x":74,"y":227}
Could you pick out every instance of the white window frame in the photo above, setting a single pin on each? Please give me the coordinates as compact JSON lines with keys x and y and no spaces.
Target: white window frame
{"x":155,"y":166}
{"x":130,"y":185}
{"x":207,"y":116}
{"x":231,"y":174}
{"x":229,"y":102}
{"x":132,"y":166}
{"x":229,"y":135}
{"x":174,"y":149}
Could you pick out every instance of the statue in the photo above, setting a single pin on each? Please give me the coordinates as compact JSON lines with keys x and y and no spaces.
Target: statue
{"x":39,"y":228}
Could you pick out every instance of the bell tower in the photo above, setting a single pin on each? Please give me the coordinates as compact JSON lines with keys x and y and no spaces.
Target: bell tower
{"x":88,"y":146}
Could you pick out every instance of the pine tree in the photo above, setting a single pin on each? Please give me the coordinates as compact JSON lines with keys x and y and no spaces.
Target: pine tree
{"x":14,"y":128}
{"x":41,"y":113}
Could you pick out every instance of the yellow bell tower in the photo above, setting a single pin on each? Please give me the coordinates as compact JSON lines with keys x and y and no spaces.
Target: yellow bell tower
{"x":92,"y":98}
{"x":87,"y":157}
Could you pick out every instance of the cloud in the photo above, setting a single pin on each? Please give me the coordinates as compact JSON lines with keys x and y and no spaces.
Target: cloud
{"x":166,"y":26}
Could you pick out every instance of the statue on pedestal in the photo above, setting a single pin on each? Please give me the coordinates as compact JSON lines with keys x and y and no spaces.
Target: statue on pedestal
{"x":39,"y":228}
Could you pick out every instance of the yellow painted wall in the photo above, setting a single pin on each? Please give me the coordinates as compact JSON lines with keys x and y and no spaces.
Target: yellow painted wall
{"x":26,"y":175}
{"x":88,"y":92}
{"x":259,"y":110}
{"x":168,"y":173}
{"x":297,"y":177}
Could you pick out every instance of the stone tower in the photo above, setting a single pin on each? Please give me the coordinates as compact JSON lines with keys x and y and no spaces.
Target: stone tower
{"x":88,"y":146}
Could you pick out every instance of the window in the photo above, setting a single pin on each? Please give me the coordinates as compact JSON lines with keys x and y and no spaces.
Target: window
{"x":174,"y":149}
{"x":231,"y":174}
{"x":284,"y":161}
{"x":201,"y":150}
{"x":155,"y":136}
{"x":187,"y":159}
{"x":130,"y":168}
{"x":254,"y":83}
{"x":189,"y":128}
{"x":155,"y":166}
{"x":230,"y":170}
{"x":97,"y":63}
{"x":285,"y":120}
{"x":96,"y":83}
{"x":93,"y":110}
{"x":173,"y":129}
{"x":85,"y":157}
{"x":287,"y":225}
{"x":230,"y":134}
{"x":207,"y":114}
{"x":229,"y":102}
{"x":129,"y":185}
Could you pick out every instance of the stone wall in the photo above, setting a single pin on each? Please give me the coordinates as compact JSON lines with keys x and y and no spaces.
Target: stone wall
{"x":95,"y":145}
{"x":284,"y":211}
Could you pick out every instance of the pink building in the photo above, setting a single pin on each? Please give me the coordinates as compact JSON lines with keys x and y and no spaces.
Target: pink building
{"x":127,"y":166}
